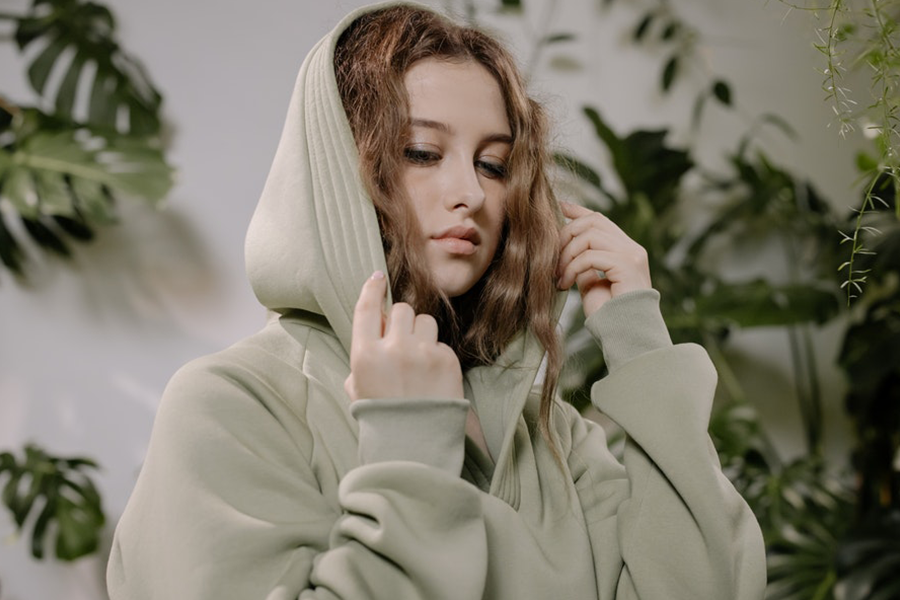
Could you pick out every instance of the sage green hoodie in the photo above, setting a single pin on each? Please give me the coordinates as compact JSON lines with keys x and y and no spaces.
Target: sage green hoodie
{"x":263,"y":481}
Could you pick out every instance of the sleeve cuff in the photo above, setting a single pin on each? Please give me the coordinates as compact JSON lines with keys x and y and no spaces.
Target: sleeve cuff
{"x":431,"y":431}
{"x":628,"y":326}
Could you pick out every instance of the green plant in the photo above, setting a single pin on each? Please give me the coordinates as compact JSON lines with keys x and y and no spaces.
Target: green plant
{"x":94,"y":136}
{"x":699,"y":304}
{"x":854,"y":35}
{"x":60,"y":497}
{"x":822,"y":528}
{"x":61,"y":171}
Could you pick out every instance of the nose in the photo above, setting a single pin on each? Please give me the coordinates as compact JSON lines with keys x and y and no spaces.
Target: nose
{"x":464,"y":190}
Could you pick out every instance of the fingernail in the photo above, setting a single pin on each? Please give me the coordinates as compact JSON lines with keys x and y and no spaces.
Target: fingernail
{"x":378,"y":274}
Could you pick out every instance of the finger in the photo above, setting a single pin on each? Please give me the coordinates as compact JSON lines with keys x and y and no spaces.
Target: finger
{"x":629,"y":268}
{"x":368,"y":315}
{"x":591,"y":260}
{"x":573,"y":211}
{"x":400,"y":320}
{"x":585,"y":222}
{"x":590,"y":278}
{"x":592,"y":239}
{"x":426,"y":328}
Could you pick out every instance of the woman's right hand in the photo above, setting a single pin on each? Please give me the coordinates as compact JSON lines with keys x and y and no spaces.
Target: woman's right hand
{"x":398,"y":355}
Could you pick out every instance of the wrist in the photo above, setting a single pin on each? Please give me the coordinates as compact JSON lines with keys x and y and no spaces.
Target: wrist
{"x":629,"y":325}
{"x":429,"y":431}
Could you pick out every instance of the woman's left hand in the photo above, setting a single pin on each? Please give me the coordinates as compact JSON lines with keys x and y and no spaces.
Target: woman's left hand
{"x":589,"y":243}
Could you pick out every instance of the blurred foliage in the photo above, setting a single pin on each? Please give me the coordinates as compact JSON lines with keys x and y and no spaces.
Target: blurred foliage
{"x":54,"y":498}
{"x":829,"y":535}
{"x":95,"y":135}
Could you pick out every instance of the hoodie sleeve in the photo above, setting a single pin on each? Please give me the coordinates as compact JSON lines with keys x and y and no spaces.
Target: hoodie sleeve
{"x":669,"y":525}
{"x":228,"y":506}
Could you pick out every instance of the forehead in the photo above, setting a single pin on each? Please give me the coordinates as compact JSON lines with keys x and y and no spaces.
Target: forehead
{"x":463,"y":93}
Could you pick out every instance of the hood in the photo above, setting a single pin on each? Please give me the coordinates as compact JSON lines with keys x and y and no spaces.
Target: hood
{"x":314,"y":237}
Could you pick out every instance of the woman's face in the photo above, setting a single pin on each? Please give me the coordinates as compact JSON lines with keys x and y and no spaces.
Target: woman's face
{"x":454,"y":169}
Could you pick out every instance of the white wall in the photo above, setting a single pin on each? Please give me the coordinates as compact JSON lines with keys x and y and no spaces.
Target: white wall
{"x":87,"y":348}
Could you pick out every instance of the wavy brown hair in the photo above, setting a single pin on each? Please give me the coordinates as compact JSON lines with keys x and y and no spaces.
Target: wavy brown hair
{"x":518,"y":290}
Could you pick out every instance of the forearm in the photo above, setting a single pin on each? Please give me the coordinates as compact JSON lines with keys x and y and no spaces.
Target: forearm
{"x":683,"y":532}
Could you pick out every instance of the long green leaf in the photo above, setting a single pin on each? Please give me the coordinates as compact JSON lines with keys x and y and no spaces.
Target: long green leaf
{"x":125,"y":165}
{"x":38,"y":534}
{"x":102,"y":104}
{"x":670,"y":70}
{"x":40,"y":69}
{"x":65,"y":96}
{"x":603,"y":131}
{"x":760,"y":304}
{"x":579,"y":169}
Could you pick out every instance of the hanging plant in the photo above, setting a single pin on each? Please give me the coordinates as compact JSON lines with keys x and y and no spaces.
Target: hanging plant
{"x":863,"y":35}
{"x":63,"y":167}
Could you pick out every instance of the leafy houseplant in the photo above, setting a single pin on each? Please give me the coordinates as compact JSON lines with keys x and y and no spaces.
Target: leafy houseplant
{"x":61,"y":170}
{"x":92,"y":137}
{"x":821,"y":531}
{"x":70,"y":505}
{"x":828,"y":535}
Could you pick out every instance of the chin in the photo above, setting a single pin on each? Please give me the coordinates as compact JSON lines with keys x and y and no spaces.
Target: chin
{"x":455,"y":286}
{"x":456,"y":278}
{"x":454,"y":291}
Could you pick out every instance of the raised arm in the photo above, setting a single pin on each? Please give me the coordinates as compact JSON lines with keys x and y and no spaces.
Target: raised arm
{"x":671,"y":526}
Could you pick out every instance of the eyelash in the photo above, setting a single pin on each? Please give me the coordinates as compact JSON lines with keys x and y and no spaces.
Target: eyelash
{"x":489,"y":169}
{"x":492,"y":170}
{"x":420,"y":157}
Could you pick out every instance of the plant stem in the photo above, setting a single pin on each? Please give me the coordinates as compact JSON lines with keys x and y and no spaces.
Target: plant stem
{"x":810,"y":409}
{"x":803,"y":360}
{"x":857,"y":247}
{"x":815,"y":389}
{"x":833,"y":70}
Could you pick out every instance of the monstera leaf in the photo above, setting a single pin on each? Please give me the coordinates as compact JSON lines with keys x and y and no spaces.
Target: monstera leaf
{"x":121,"y":95}
{"x":61,"y":173}
{"x":63,"y":497}
{"x":61,"y":180}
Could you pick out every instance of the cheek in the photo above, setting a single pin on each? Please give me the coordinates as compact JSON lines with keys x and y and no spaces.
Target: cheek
{"x":497,"y":212}
{"x":417,"y":192}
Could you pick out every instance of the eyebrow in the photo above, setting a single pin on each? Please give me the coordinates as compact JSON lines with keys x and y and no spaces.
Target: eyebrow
{"x":443,"y":127}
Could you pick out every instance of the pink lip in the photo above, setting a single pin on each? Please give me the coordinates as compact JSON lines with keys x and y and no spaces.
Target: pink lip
{"x":459,"y":240}
{"x":460,"y":232}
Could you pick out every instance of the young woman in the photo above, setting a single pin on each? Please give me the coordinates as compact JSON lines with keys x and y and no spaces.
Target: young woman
{"x":362,"y":448}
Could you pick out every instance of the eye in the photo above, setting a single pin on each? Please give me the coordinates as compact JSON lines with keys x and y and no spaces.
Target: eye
{"x":492,"y":169}
{"x":420,"y":156}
